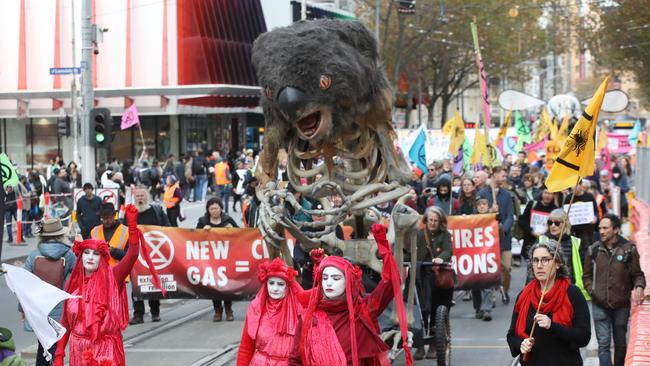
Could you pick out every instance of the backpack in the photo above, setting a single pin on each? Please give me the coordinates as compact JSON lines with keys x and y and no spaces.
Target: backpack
{"x":50,"y":270}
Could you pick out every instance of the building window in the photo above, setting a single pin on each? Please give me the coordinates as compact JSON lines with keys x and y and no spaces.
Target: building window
{"x":42,"y":135}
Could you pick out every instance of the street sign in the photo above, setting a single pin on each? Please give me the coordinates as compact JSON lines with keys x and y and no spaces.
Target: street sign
{"x":64,"y":70}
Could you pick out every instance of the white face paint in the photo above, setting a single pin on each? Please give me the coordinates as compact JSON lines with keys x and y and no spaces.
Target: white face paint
{"x":277,"y":288}
{"x":333,"y":282}
{"x":90,"y":260}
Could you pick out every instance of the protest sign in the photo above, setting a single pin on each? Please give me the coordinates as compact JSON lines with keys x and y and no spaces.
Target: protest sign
{"x":538,"y":221}
{"x":581,"y":213}
{"x":476,"y":254}
{"x":199,"y":263}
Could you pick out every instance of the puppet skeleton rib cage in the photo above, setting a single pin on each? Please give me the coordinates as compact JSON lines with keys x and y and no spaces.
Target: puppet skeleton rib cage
{"x":327,"y":101}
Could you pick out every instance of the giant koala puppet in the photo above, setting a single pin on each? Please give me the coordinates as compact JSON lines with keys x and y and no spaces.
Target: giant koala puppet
{"x":325,"y":95}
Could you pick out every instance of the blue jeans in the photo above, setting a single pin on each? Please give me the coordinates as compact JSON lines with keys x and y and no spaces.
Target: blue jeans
{"x":199,"y":187}
{"x":224,"y":194}
{"x":9,"y":214}
{"x":606,"y":322}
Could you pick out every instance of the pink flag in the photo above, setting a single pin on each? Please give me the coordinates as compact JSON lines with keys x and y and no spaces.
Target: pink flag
{"x":130,"y":117}
{"x":484,"y":90}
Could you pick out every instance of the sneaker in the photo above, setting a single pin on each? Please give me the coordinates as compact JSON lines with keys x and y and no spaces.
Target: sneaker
{"x":136,"y":320}
{"x":155,"y":318}
{"x":487,"y":316}
{"x":431,"y":353}
{"x":479,"y":314}
{"x":419,"y":353}
{"x":505,"y":298}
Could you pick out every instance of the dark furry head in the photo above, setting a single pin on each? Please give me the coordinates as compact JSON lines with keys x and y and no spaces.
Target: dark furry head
{"x":318,"y":76}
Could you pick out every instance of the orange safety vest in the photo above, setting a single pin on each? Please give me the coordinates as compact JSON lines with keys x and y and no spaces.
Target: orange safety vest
{"x":220,"y":174}
{"x":119,"y":240}
{"x":168,"y":197}
{"x":599,"y":199}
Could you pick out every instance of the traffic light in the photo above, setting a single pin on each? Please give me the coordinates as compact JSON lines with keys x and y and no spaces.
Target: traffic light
{"x":406,"y":6}
{"x":101,"y":124}
{"x":63,"y":126}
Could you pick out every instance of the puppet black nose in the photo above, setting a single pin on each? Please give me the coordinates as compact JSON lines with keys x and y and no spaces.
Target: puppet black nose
{"x":290,"y":102}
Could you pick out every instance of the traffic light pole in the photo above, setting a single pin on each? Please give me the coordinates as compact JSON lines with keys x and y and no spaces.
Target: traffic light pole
{"x":87,"y":93}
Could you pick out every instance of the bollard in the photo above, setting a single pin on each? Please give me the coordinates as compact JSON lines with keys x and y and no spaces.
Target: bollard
{"x":46,"y":210}
{"x":19,"y":219}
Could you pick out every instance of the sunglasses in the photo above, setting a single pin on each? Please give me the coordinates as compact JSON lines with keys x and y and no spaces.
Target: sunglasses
{"x":553,"y":222}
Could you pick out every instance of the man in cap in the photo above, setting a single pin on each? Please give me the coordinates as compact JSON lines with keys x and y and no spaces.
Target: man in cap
{"x":52,"y":262}
{"x":115,"y":234}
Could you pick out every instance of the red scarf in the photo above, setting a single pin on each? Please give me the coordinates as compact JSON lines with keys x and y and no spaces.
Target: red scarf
{"x":556,"y":303}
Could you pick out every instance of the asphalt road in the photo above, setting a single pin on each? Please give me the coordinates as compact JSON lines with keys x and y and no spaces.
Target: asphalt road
{"x":188,"y":336}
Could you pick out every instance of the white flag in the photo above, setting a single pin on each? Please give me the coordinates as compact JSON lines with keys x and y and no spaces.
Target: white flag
{"x":37,"y":298}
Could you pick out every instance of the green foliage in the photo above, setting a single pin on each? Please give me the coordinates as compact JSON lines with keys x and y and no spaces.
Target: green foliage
{"x":434,"y":45}
{"x":618,"y":35}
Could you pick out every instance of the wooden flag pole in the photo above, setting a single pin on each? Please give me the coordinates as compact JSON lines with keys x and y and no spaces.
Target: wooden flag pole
{"x":144,"y":145}
{"x":557,"y":249}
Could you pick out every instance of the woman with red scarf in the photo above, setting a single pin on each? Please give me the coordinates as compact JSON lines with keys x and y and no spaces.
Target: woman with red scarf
{"x":339,"y":327}
{"x":562,"y":326}
{"x":96,"y":320}
{"x":270,"y":327}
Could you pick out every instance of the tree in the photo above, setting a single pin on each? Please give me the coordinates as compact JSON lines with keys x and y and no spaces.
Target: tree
{"x":618,"y":36}
{"x":433,"y":46}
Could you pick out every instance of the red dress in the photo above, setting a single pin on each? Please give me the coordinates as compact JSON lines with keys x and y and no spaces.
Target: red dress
{"x":270,"y":327}
{"x":95,"y":321}
{"x":345,"y":331}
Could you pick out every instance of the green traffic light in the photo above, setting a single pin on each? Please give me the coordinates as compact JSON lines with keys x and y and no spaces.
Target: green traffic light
{"x":99,"y":137}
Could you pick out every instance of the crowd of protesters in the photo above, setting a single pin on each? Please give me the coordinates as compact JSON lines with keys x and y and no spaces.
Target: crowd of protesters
{"x":512,"y":191}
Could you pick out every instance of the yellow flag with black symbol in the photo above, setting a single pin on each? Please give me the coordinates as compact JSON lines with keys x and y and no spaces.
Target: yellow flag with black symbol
{"x":504,"y":128}
{"x":541,"y":132}
{"x":455,"y":129}
{"x":480,"y":148}
{"x":577,"y":158}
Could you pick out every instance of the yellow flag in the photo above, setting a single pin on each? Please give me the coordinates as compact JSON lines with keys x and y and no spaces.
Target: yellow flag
{"x":455,"y":129}
{"x":549,"y":123}
{"x":541,"y":132}
{"x":480,"y":148}
{"x":504,"y":128}
{"x":564,"y":128}
{"x":577,"y":158}
{"x":603,"y":140}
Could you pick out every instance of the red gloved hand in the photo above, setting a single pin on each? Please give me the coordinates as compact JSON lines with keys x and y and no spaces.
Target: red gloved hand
{"x":132,"y":217}
{"x":379,"y":233}
{"x":316,"y":255}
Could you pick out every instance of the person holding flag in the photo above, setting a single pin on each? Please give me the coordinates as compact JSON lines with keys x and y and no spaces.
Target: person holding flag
{"x":96,"y":320}
{"x":561,"y":307}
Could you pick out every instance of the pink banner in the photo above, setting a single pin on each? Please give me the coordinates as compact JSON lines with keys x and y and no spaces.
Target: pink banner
{"x":618,"y":143}
{"x":537,"y":147}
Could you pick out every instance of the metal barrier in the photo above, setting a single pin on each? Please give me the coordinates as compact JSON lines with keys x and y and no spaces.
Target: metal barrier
{"x":642,"y":175}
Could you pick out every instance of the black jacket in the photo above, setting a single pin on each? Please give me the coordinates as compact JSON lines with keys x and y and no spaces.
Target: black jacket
{"x":88,"y":212}
{"x":558,"y":345}
{"x":226,"y":221}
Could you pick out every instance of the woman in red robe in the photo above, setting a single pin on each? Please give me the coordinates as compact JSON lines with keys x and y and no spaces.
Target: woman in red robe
{"x":96,"y":320}
{"x":339,"y":327}
{"x":272,"y":317}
